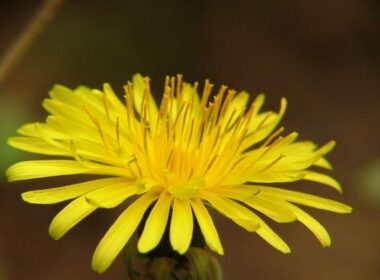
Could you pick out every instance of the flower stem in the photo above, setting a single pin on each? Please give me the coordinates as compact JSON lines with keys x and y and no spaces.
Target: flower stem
{"x":39,"y":21}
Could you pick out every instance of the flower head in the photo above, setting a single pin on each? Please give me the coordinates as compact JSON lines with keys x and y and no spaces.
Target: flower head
{"x":175,"y":160}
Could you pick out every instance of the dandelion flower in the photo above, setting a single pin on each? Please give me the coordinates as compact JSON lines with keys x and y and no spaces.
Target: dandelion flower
{"x":174,"y":162}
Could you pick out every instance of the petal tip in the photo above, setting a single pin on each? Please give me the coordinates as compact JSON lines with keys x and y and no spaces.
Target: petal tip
{"x":11,"y":176}
{"x":284,"y":104}
{"x":25,"y":196}
{"x":107,"y":88}
{"x":219,"y":250}
{"x":180,"y":251}
{"x":348,"y":209}
{"x":98,"y":266}
{"x":54,"y":234}
{"x":326,"y":244}
{"x":337,"y":186}
{"x":142,"y":248}
{"x":285,"y":249}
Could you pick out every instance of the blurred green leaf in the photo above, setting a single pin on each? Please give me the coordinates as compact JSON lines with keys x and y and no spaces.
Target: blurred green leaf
{"x":368,"y":181}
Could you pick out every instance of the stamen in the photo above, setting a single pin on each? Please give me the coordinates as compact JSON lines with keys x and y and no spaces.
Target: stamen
{"x":129,"y":164}
{"x":194,"y":92}
{"x":129,"y":105}
{"x":206,"y":93}
{"x":172,"y":93}
{"x":184,"y":120}
{"x":145,"y":100}
{"x":226,"y":127}
{"x":203,"y":125}
{"x":215,"y":115}
{"x":234,"y":165}
{"x":273,"y":136}
{"x":268,"y":148}
{"x":74,"y":151}
{"x":273,"y":163}
{"x":166,"y":85}
{"x":252,"y":134}
{"x":249,"y":114}
{"x":179,"y":85}
{"x":230,"y":95}
{"x":211,"y":162}
{"x":183,"y":106}
{"x":98,"y":126}
{"x":169,"y":160}
{"x":190,"y":136}
{"x":138,"y":168}
{"x":261,"y":124}
{"x":117,"y":134}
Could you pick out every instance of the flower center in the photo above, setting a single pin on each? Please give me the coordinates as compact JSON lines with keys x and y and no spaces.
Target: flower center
{"x":180,"y":180}
{"x":186,"y":190}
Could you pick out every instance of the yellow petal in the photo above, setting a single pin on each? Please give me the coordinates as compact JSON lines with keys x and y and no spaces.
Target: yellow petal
{"x":87,"y":140}
{"x":138,"y":91}
{"x":263,"y":124}
{"x":207,"y":226}
{"x":181,"y":226}
{"x":99,"y":153}
{"x":138,"y":96}
{"x":258,"y":103}
{"x":48,"y":168}
{"x":67,"y":112}
{"x":236,"y":212}
{"x":247,"y":194}
{"x":37,"y":129}
{"x":241,"y":192}
{"x":285,"y":161}
{"x":311,"y":223}
{"x":323,"y":179}
{"x":324,"y":163}
{"x":79,"y":98}
{"x":87,"y":118}
{"x":63,"y":94}
{"x":73,"y":129}
{"x":240,"y":100}
{"x":72,"y":214}
{"x":238,"y":104}
{"x":190,"y":95}
{"x":93,"y":98}
{"x":120,"y":232}
{"x":43,"y":168}
{"x":37,"y":145}
{"x":275,"y":175}
{"x":271,"y":237}
{"x":298,"y":155}
{"x":116,"y":107}
{"x":306,"y":199}
{"x":262,"y":228}
{"x":29,"y":129}
{"x":112,"y":195}
{"x":273,"y":211}
{"x":155,"y":224}
{"x":55,"y":195}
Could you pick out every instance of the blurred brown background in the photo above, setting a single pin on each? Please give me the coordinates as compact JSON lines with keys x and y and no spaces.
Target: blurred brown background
{"x":324,"y":56}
